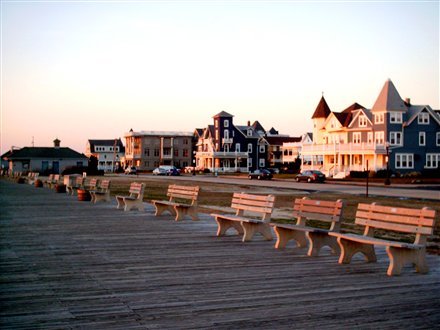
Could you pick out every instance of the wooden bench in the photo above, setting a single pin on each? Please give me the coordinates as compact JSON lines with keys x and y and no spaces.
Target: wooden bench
{"x":49,"y":180}
{"x":260,"y":206}
{"x":134,"y":200}
{"x":182,"y":201}
{"x":79,"y":184}
{"x":91,"y":185}
{"x":102,"y":192}
{"x":55,"y":180}
{"x":419,"y":222}
{"x":307,"y":209}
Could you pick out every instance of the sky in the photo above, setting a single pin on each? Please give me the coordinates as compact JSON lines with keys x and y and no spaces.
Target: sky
{"x":79,"y":70}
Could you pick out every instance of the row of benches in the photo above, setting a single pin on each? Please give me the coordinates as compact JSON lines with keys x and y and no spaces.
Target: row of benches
{"x":253,"y":215}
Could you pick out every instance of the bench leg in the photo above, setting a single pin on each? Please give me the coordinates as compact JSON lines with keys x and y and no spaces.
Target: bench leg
{"x":401,"y":256}
{"x":251,"y":228}
{"x":182,"y":211}
{"x":350,"y":248}
{"x":160,"y":208}
{"x":224,"y":225}
{"x":129,"y":204}
{"x":285,"y":235}
{"x":121,"y":203}
{"x":92,"y":197}
{"x":318,"y":240}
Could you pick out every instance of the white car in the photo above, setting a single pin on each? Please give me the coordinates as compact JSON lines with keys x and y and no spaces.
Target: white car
{"x":160,"y":171}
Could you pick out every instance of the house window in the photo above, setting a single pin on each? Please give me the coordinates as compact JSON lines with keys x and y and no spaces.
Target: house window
{"x":422,"y":138}
{"x":262,"y":148}
{"x":423,"y":118}
{"x":356,"y":137}
{"x":362,"y":121}
{"x":156,"y":152}
{"x":379,"y":137}
{"x":226,"y":148}
{"x":432,"y":160}
{"x":176,"y":152}
{"x":437,"y":139}
{"x":379,"y":118}
{"x":370,"y":137}
{"x":237,"y":147}
{"x":185,"y":141}
{"x":249,"y":162}
{"x":147,"y":152}
{"x":395,"y":117}
{"x":226,"y":134}
{"x":226,"y":123}
{"x":404,"y":160}
{"x":396,"y":138}
{"x":249,"y":132}
{"x":216,"y":123}
{"x":262,"y":163}
{"x":249,"y":148}
{"x":185,"y":153}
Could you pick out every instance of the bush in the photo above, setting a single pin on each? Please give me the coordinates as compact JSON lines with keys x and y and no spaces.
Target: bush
{"x":358,"y":174}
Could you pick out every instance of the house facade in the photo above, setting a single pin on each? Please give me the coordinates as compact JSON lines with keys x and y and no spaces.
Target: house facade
{"x":109,"y":153}
{"x":393,"y":133}
{"x":147,"y":150}
{"x":226,"y":147}
{"x":45,"y":159}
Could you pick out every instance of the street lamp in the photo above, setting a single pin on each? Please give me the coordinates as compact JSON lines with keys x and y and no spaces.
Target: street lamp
{"x":387,"y":179}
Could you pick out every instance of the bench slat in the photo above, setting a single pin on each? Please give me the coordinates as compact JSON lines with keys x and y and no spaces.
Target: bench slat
{"x":244,"y":196}
{"x":314,"y":202}
{"x":321,"y":210}
{"x":427,"y":213}
{"x":396,"y":227}
{"x":240,"y":201}
{"x":317,"y":216}
{"x":403,"y":219}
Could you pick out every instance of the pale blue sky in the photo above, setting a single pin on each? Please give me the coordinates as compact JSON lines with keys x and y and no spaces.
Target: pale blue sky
{"x":82,"y":70}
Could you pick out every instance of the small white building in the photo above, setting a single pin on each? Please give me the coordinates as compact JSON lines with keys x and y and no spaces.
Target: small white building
{"x":109,"y":153}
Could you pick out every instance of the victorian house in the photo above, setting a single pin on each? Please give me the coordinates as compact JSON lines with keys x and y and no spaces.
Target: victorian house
{"x":226,"y":147}
{"x":394,"y":133}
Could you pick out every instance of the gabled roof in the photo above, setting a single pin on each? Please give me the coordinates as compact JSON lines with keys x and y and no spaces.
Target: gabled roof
{"x":389,"y":99}
{"x":322,"y":110}
{"x":198,"y":132}
{"x":258,"y":127}
{"x":343,"y":117}
{"x":353,"y":107}
{"x":45,"y":152}
{"x":223,"y":114}
{"x":414,"y":111}
{"x":273,"y":131}
{"x":244,"y":128}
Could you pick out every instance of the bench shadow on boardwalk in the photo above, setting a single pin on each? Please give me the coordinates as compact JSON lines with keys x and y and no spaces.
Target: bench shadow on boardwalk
{"x":71,"y":264}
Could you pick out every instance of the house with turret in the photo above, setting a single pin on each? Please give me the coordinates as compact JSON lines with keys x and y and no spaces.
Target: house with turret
{"x":394,"y":133}
{"x":227,"y":147}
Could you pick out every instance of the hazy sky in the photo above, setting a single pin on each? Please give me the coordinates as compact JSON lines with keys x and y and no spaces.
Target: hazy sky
{"x":80,"y":70}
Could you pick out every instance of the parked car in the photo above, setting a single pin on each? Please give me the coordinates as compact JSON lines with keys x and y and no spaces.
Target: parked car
{"x":131,"y":170}
{"x":261,"y":175}
{"x":173,"y":172}
{"x":159,"y":171}
{"x":311,"y":176}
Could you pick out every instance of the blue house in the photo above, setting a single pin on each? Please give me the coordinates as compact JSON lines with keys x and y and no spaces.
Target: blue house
{"x":226,"y":147}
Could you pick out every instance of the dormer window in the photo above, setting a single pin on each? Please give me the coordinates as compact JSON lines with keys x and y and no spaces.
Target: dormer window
{"x":362,"y":121}
{"x":423,"y":118}
{"x":249,"y":132}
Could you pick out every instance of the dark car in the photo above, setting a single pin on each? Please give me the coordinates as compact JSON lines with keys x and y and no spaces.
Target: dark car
{"x":173,"y":172}
{"x":131,"y":170}
{"x":261,"y":175}
{"x":311,"y":176}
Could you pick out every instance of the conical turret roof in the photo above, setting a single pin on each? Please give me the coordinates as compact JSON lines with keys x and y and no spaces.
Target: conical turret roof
{"x":322,"y":110}
{"x":389,"y":99}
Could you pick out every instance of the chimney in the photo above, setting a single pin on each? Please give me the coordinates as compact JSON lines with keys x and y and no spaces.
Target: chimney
{"x":408,"y":101}
{"x":249,"y":123}
{"x":56,"y":143}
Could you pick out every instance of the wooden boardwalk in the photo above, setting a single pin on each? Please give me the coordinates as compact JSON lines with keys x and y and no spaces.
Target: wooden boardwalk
{"x":67,"y":264}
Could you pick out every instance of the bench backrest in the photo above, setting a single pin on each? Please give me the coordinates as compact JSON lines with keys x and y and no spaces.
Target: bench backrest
{"x":56,"y":178}
{"x":183,"y":192}
{"x":256,"y":204}
{"x":414,"y":221}
{"x":51,"y":176}
{"x":311,"y":209}
{"x":104,"y":185}
{"x":93,"y":183}
{"x":79,"y":181}
{"x":137,"y":190}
